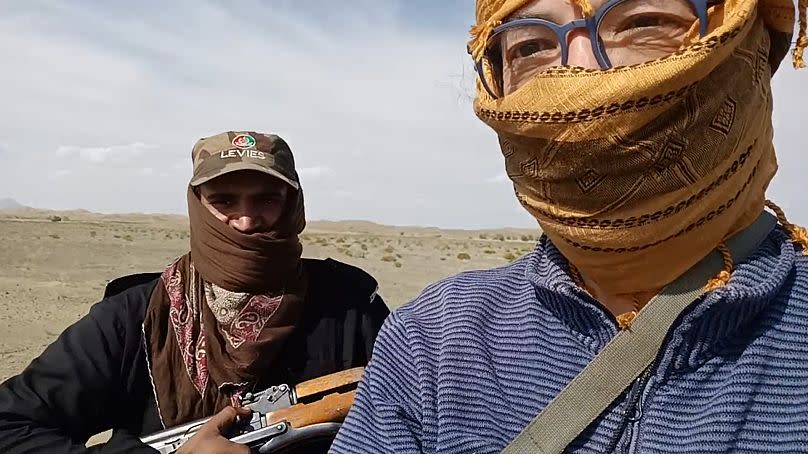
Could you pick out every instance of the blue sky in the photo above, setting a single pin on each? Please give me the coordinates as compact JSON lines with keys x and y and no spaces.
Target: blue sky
{"x":104,"y":100}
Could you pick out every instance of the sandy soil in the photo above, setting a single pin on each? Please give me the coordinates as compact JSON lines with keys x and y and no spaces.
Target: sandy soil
{"x":54,"y":266}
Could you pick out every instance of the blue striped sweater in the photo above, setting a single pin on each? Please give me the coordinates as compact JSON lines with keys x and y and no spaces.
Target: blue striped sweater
{"x":466,"y":366}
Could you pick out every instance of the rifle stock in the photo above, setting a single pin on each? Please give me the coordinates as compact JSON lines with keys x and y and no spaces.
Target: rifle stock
{"x":329,"y":382}
{"x":331,"y":408}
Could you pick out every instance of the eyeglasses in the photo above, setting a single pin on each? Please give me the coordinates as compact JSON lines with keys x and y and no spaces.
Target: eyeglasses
{"x":622,"y":33}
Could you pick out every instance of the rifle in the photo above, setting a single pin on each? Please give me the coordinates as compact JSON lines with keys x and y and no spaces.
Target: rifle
{"x":281,"y":415}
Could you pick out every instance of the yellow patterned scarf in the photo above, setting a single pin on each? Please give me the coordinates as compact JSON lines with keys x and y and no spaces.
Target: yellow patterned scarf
{"x":637,"y":173}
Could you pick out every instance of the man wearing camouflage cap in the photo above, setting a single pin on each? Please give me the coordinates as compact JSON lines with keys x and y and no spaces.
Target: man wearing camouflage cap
{"x":240,"y":312}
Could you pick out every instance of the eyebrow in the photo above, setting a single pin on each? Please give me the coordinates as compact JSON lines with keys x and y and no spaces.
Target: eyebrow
{"x":551,"y":14}
{"x":211,"y":194}
{"x":227,"y":192}
{"x":529,"y":15}
{"x":546,"y":15}
{"x":273,"y":193}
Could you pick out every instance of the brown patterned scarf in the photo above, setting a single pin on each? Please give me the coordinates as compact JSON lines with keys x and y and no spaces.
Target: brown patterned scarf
{"x":201,"y":361}
{"x":636,"y":173}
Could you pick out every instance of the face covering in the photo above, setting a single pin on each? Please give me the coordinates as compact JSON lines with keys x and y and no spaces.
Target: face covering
{"x":637,"y":173}
{"x":220,"y":315}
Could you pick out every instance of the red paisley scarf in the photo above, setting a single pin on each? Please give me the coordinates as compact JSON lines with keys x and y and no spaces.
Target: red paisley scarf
{"x":199,"y":364}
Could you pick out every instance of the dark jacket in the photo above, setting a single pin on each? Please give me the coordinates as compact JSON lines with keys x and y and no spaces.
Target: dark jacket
{"x":95,"y":376}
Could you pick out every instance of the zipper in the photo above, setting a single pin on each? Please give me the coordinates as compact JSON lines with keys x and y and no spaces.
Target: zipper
{"x":634,"y":428}
{"x":632,"y":413}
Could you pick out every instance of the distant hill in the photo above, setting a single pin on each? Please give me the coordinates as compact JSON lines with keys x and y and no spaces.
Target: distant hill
{"x":10,"y":208}
{"x":10,"y":204}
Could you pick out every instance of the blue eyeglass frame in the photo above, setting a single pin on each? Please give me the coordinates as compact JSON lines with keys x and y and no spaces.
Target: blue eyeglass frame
{"x":592,"y":25}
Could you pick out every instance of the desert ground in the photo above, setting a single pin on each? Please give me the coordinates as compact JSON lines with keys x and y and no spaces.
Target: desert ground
{"x":54,"y":265}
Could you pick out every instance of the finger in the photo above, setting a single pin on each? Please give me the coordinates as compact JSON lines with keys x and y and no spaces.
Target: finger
{"x":242,"y":415}
{"x":221,"y":421}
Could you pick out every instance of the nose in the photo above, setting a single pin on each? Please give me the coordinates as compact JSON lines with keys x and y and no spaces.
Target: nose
{"x":580,"y":51}
{"x":246,"y":223}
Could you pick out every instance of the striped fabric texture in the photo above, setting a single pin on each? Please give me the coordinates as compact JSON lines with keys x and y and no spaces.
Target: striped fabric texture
{"x":468,"y":364}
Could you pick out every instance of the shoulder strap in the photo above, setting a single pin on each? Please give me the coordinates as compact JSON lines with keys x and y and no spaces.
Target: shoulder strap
{"x":630,"y":352}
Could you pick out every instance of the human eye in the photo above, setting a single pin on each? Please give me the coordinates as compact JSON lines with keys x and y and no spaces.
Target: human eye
{"x":655,"y":23}
{"x":523,"y":51}
{"x":220,"y":201}
{"x":530,"y":41}
{"x":652,"y":21}
{"x":272,"y":199}
{"x":532,"y":48}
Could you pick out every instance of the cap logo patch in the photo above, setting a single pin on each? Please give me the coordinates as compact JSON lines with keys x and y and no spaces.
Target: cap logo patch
{"x":241,"y":154}
{"x":244,"y":141}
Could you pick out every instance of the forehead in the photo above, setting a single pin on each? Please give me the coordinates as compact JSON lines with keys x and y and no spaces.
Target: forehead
{"x":552,"y":7}
{"x":245,"y":182}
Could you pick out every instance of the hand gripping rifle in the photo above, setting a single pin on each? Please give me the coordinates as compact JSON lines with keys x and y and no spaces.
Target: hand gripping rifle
{"x":282,"y":416}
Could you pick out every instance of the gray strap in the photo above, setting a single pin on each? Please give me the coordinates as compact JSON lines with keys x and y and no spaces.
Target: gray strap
{"x":628,"y":354}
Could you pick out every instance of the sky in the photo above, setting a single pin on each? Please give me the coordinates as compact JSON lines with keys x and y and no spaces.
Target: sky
{"x":103,"y":101}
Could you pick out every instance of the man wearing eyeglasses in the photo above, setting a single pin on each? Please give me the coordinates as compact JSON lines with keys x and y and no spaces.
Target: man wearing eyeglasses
{"x":664,"y":309}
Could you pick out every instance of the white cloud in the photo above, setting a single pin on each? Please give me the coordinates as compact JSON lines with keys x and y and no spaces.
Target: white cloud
{"x":312,"y":173}
{"x":498,"y":179}
{"x":381,"y":100}
{"x":343,"y":194}
{"x":375,"y":104}
{"x":99,"y":155}
{"x":61,"y":173}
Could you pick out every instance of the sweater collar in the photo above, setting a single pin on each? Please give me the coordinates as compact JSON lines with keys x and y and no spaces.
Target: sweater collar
{"x":727,"y":316}
{"x":719,"y":318}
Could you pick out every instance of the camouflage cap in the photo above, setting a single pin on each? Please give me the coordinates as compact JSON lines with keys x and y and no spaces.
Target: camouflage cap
{"x":232,"y":151}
